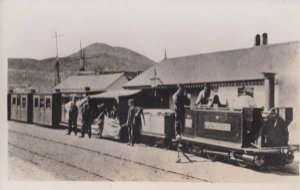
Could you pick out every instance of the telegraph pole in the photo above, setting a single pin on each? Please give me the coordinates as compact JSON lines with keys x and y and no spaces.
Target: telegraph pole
{"x":81,"y":61}
{"x":57,"y":80}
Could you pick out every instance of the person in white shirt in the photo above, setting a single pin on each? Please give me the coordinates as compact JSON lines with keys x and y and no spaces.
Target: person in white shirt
{"x":204,"y":96}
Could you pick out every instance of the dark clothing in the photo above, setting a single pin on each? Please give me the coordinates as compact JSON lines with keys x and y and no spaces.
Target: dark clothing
{"x":203,"y":97}
{"x":134,"y":124}
{"x":100,"y":122}
{"x":87,"y":120}
{"x":216,"y":102}
{"x":179,"y":101}
{"x":179,"y":122}
{"x":73,"y":113}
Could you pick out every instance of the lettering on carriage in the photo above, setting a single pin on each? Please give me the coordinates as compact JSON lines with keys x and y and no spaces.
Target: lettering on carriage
{"x":217,"y":126}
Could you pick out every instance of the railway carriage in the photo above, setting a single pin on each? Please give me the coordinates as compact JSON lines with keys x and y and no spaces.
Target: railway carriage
{"x":21,"y":106}
{"x":159,"y":123}
{"x":47,"y":109}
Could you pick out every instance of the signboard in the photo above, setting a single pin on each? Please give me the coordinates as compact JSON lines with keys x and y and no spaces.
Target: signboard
{"x":217,"y":126}
{"x":188,"y":122}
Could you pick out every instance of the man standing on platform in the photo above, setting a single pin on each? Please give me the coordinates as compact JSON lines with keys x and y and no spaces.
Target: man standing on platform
{"x":87,"y":118}
{"x":134,"y":123}
{"x":73,"y":113}
{"x":179,"y":100}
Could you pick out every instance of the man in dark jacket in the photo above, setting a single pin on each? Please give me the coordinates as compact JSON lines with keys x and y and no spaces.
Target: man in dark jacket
{"x":87,"y":118}
{"x":179,"y":101}
{"x":134,"y":123}
{"x":73,"y":113}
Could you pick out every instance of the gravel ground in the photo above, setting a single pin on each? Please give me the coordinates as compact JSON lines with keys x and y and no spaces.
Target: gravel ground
{"x":19,"y":169}
{"x":109,"y":160}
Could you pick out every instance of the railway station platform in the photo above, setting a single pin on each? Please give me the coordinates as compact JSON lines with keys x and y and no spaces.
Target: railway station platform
{"x":117,"y":161}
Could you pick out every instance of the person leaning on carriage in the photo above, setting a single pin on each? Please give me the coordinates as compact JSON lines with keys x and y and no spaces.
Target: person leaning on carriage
{"x":179,"y":101}
{"x":87,"y":118}
{"x":203,"y":97}
{"x":72,"y":121}
{"x":134,"y":122}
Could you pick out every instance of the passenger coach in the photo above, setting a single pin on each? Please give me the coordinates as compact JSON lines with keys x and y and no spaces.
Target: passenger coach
{"x":47,"y":109}
{"x":21,"y":106}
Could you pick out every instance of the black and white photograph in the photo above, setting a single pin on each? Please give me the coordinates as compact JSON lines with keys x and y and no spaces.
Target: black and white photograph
{"x":127,"y":91}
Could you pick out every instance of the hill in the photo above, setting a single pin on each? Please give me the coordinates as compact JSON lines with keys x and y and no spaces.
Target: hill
{"x":99,"y":57}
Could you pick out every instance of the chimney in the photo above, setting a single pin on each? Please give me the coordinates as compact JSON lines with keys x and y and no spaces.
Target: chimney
{"x":257,"y":40}
{"x":165,"y":54}
{"x":269,"y":90}
{"x":265,"y":39}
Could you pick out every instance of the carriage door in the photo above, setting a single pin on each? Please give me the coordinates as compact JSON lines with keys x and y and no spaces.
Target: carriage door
{"x":48,"y":110}
{"x":24,"y":106}
{"x":18,"y":107}
{"x":42,"y":110}
{"x":14,"y":108}
{"x":36,"y":110}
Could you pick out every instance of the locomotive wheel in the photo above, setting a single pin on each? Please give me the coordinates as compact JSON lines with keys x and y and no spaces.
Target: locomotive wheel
{"x":211,"y":156}
{"x":242,"y":164}
{"x":259,"y":160}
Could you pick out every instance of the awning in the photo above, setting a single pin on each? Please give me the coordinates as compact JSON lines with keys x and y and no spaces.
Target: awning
{"x":115,"y":94}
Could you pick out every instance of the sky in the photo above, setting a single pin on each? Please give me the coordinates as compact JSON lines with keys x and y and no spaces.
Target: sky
{"x":183,"y":27}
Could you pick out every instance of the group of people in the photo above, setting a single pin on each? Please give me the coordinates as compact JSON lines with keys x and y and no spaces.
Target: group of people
{"x":180,"y":100}
{"x":134,"y":119}
{"x":87,"y":118}
{"x":203,"y":99}
{"x":135,"y":114}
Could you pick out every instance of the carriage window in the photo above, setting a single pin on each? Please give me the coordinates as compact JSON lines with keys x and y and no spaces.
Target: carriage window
{"x":48,"y":103}
{"x":36,"y":102}
{"x":23,"y":102}
{"x":41,"y":102}
{"x":14,"y":101}
{"x":18,"y":101}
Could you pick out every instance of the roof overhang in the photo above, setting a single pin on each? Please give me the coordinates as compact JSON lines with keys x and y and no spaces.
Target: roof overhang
{"x":115,"y":94}
{"x":249,"y":82}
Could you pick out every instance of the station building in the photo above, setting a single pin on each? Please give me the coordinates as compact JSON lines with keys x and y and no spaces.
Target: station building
{"x":89,"y":81}
{"x":228,"y":72}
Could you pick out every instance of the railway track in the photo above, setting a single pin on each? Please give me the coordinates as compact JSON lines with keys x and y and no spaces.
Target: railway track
{"x":285,"y":171}
{"x":102,"y":154}
{"x":51,"y":159}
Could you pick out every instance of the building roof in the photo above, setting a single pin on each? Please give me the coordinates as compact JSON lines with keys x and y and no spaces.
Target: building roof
{"x":78,"y":83}
{"x":232,"y":65}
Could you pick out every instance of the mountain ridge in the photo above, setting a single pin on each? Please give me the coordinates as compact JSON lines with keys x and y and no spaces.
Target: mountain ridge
{"x":99,"y":57}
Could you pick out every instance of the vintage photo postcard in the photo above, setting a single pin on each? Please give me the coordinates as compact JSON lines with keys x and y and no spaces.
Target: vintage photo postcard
{"x":113,"y":93}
